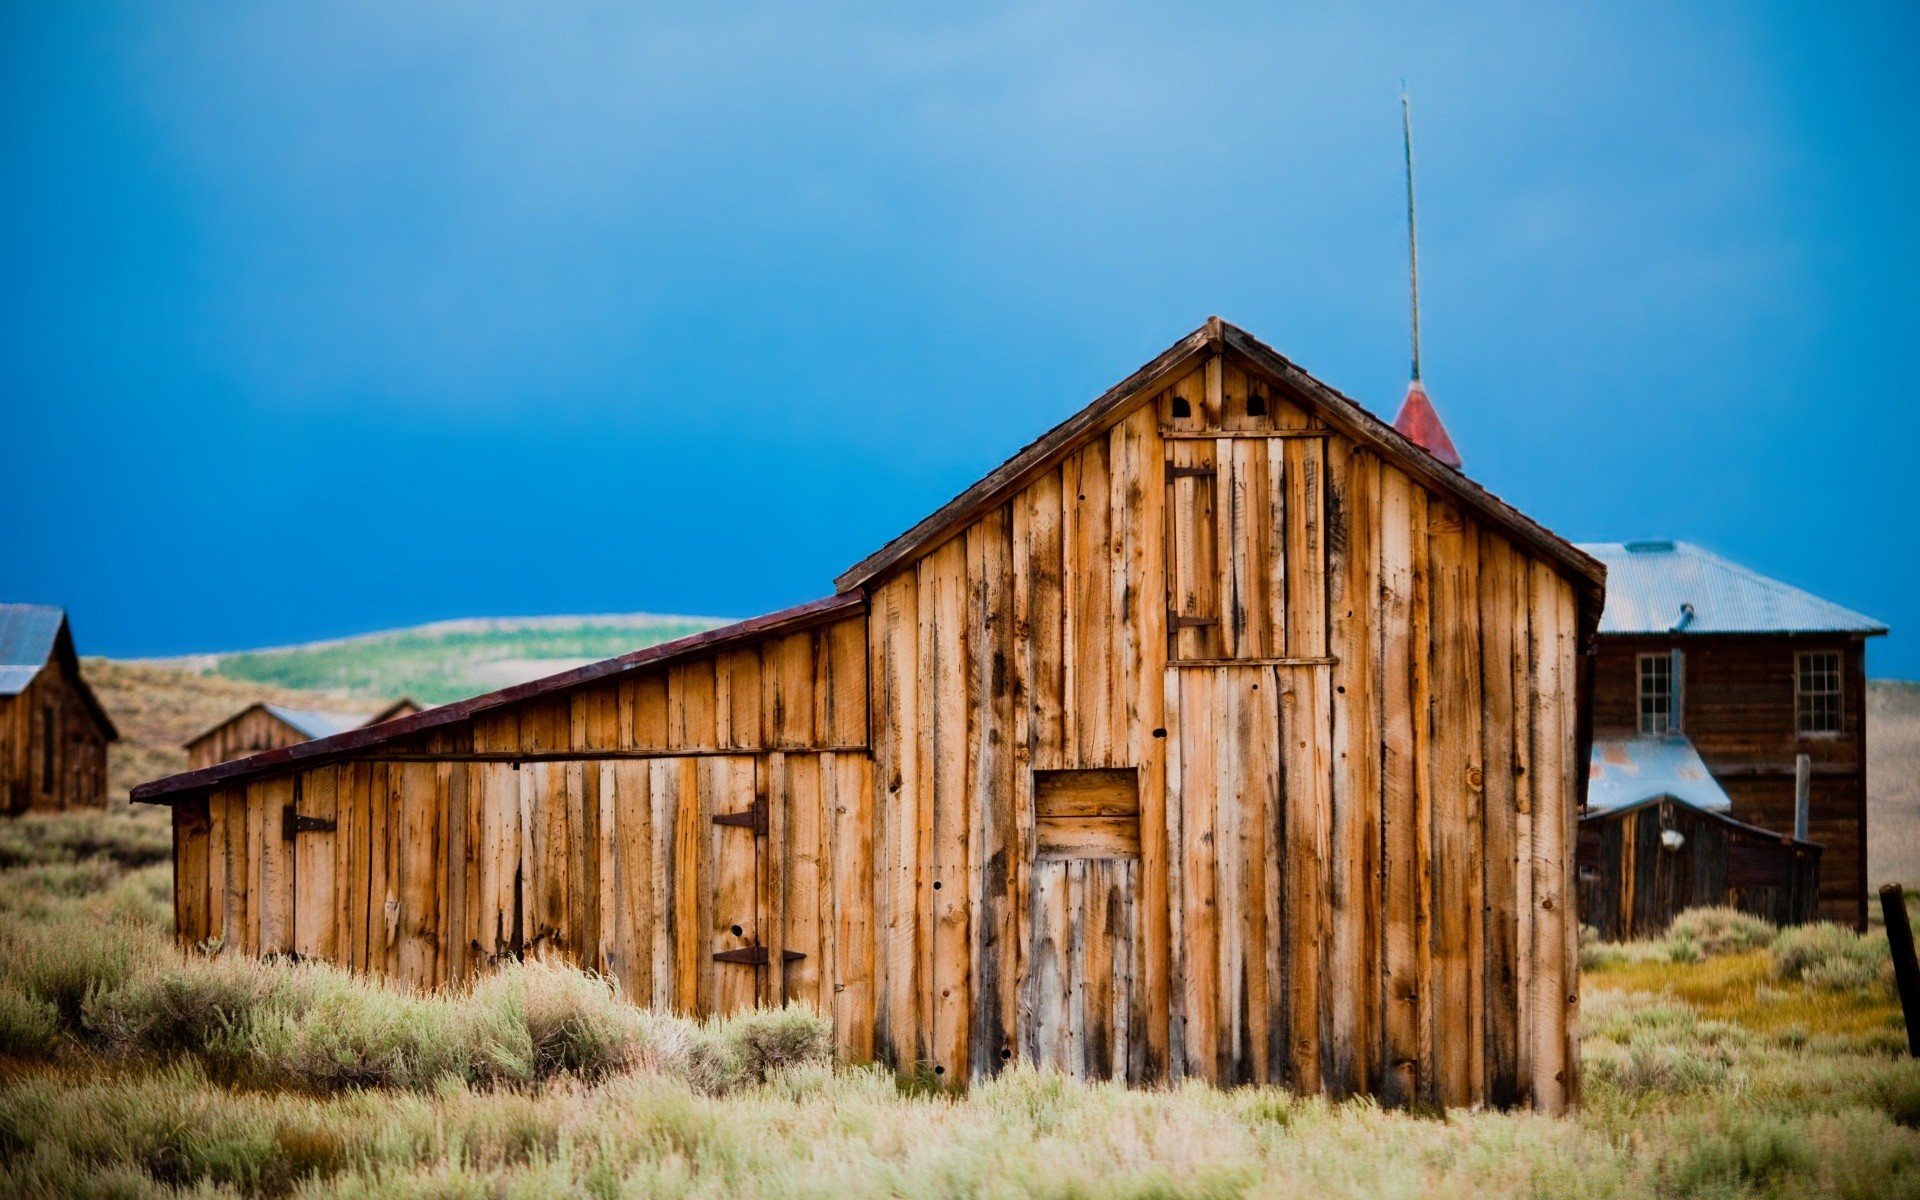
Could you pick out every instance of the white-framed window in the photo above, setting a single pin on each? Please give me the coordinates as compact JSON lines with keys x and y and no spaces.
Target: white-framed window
{"x":1662,"y":692}
{"x":1816,"y":691}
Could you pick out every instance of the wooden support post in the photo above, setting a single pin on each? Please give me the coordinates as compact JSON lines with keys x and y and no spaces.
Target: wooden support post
{"x":1802,"y":794}
{"x":1906,"y":968}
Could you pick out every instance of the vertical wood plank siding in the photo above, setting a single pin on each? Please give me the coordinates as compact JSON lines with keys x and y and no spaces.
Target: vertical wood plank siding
{"x":1347,"y":708}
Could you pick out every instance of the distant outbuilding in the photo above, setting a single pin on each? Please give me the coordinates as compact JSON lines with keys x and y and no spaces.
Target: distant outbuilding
{"x":263,"y":726}
{"x":1697,"y":653}
{"x":53,"y":731}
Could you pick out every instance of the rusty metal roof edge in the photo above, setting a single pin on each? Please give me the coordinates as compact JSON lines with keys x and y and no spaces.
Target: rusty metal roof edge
{"x":175,"y":787}
{"x":1783,"y":838}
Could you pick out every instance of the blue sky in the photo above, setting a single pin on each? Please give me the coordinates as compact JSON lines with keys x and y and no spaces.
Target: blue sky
{"x":321,"y":319}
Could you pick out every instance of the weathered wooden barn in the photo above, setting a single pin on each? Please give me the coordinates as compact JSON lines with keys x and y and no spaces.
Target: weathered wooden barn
{"x":53,"y":731}
{"x":1222,"y":732}
{"x":1755,"y":673}
{"x":265,"y":726}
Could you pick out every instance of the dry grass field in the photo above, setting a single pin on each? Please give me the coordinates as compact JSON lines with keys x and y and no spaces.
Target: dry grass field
{"x":1725,"y":1061}
{"x":157,"y":708}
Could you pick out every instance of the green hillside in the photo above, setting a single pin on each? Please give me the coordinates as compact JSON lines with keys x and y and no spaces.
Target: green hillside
{"x":447,"y":660}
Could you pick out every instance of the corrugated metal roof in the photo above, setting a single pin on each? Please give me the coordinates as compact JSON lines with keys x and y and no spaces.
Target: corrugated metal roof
{"x":1651,"y":584}
{"x":27,"y":636}
{"x":317,"y":724}
{"x":1626,"y":771}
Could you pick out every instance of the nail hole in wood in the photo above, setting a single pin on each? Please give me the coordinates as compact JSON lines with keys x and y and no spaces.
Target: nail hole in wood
{"x":1160,"y":733}
{"x":936,"y":885}
{"x":737,"y":931}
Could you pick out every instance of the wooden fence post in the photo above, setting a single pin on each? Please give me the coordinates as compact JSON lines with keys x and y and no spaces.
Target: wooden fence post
{"x":1906,"y":968}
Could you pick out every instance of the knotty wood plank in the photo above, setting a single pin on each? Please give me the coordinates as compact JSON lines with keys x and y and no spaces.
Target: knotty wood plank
{"x":608,"y":958}
{"x":1144,"y":659}
{"x":943,"y":703}
{"x":1525,"y":694}
{"x":840,"y":693}
{"x":190,"y":889}
{"x":1090,"y":617}
{"x":1096,"y":921}
{"x":1354,"y":828}
{"x":727,"y":784}
{"x":853,"y":869}
{"x":1041,"y":628}
{"x":787,"y":679}
{"x":650,"y":724}
{"x":1087,"y":837}
{"x":219,"y":868}
{"x":1553,"y":982}
{"x":1500,"y":974}
{"x":1199,"y":787}
{"x":1305,"y":733}
{"x":1233,"y":858}
{"x":1049,"y":1036}
{"x":414,"y":865}
{"x":738,"y":709}
{"x":1421,"y":619}
{"x":808,"y":876}
{"x":1193,"y":550}
{"x":638,"y":908}
{"x":691,"y":700}
{"x":1306,"y":543}
{"x":1178,"y":922}
{"x":1393,"y":625}
{"x":1456,"y":708}
{"x":774,"y":856}
{"x":313,"y":872}
{"x":992,"y":844}
{"x":896,"y":781}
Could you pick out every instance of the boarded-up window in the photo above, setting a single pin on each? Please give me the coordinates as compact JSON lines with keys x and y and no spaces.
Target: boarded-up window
{"x":1246,"y":559}
{"x":1087,"y":814}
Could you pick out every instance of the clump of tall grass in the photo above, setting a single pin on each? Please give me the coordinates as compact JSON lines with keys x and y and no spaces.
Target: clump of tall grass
{"x":1721,"y":930}
{"x":1694,"y":936}
{"x":117,"y":990}
{"x":1828,"y":956}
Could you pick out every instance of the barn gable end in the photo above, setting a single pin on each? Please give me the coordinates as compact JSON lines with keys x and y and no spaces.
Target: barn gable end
{"x":1220,"y":733}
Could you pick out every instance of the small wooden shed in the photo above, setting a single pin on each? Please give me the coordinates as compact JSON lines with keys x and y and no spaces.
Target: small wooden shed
{"x":1642,"y":865}
{"x":266,"y":726}
{"x":1222,"y":732}
{"x":53,"y":731}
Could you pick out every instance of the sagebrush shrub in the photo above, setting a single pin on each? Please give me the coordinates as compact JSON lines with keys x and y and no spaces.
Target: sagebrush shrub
{"x":1828,"y":956}
{"x":1721,"y":930}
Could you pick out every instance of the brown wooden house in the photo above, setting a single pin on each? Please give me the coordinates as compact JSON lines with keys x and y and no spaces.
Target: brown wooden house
{"x":1220,"y":733}
{"x":1755,"y":673}
{"x":53,"y":732}
{"x":265,"y":726}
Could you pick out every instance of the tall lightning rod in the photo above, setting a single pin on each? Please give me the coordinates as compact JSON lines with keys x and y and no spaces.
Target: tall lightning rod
{"x":1413,"y":239}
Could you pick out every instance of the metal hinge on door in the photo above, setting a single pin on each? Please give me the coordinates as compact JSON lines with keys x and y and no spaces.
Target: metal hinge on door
{"x":1174,"y":472}
{"x":755,"y":956}
{"x":292,"y":822}
{"x":754,"y":818}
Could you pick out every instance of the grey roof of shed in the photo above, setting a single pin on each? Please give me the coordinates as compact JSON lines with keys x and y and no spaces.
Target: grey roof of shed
{"x":33,"y":635}
{"x":318,"y":724}
{"x":1650,"y":582}
{"x":28,"y":633}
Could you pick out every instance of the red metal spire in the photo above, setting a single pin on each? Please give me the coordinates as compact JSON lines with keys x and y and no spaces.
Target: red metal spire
{"x":1422,"y":426}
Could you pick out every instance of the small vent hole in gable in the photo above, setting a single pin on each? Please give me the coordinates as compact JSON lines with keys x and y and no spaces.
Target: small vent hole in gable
{"x":1181,"y":408}
{"x":1256,"y":405}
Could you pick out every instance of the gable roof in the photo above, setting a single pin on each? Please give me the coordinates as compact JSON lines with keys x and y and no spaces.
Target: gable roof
{"x":31,"y":636}
{"x":307,"y":722}
{"x":27,"y":636}
{"x":1341,"y":414}
{"x":1650,"y":584}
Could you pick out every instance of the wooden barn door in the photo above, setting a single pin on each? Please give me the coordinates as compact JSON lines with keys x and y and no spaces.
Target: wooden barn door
{"x":743,"y":963}
{"x":1086,"y":925}
{"x":307,"y":825}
